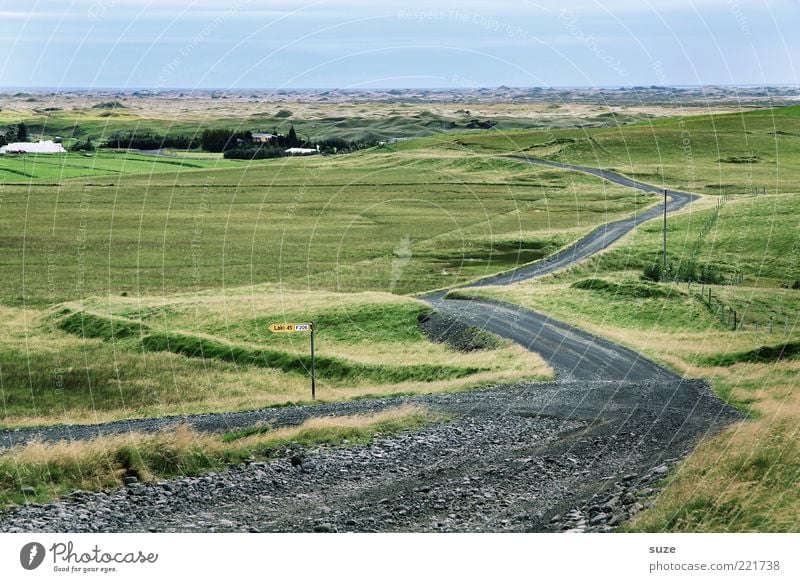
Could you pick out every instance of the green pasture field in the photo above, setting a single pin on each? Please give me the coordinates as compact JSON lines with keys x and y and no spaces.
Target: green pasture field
{"x":399,"y":221}
{"x":753,"y":237}
{"x":50,"y":168}
{"x":726,"y":153}
{"x":100,"y":359}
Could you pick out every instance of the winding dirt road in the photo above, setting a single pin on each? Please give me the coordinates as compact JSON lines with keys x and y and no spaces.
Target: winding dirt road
{"x":578,"y":454}
{"x":573,"y":353}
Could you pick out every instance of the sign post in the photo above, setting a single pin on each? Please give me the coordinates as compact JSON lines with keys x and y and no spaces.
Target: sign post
{"x":313,"y":372}
{"x":300,"y":328}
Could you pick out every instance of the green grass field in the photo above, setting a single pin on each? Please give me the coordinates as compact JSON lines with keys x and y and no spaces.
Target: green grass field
{"x":192,"y":264}
{"x":138,"y":286}
{"x":392,"y":221}
{"x":731,"y":153}
{"x":35,"y":168}
{"x":101,"y":359}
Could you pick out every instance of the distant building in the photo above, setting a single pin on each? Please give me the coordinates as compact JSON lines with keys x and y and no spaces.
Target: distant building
{"x":264,"y":137}
{"x":302,"y":151}
{"x":40,"y":147}
{"x":392,"y":140}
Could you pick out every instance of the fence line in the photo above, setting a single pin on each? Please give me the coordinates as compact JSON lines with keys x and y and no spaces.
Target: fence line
{"x":731,"y":317}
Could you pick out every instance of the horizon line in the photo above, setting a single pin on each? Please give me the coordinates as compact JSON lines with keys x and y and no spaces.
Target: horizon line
{"x":782,"y":85}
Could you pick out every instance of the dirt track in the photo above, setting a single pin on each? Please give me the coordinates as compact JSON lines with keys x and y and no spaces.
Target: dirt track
{"x":580,"y":453}
{"x":515,"y":458}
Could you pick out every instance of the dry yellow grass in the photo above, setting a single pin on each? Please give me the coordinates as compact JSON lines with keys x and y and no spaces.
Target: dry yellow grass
{"x":241,"y":106}
{"x":130,"y":383}
{"x":56,"y":468}
{"x":746,"y":479}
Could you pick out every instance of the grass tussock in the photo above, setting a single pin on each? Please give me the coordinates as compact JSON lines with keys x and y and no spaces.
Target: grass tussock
{"x":89,"y":325}
{"x":54,"y":469}
{"x":333,"y":429}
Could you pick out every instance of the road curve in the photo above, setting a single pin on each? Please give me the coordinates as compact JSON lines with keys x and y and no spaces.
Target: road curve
{"x":600,"y":238}
{"x":574,"y":354}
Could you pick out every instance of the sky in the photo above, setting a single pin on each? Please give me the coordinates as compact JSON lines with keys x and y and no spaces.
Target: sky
{"x":360,"y":44}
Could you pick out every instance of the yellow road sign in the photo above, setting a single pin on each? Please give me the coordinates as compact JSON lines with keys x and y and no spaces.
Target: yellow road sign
{"x":289,"y":327}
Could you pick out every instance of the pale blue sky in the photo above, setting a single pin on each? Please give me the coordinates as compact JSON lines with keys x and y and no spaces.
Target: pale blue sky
{"x":416,"y":43}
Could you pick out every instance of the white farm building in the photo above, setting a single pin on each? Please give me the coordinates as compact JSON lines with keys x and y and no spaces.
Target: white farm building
{"x":40,"y":147}
{"x":302,"y":151}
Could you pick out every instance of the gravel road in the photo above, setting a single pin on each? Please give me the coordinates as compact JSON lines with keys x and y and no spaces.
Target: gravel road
{"x":579,"y":454}
{"x":557,"y":456}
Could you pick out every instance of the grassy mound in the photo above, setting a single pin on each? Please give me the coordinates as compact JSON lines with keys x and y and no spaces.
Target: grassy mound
{"x":90,"y":325}
{"x":368,"y":322}
{"x":108,"y":329}
{"x":326,"y":367}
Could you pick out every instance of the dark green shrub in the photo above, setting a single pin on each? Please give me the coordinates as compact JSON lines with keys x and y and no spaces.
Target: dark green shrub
{"x":652,"y":272}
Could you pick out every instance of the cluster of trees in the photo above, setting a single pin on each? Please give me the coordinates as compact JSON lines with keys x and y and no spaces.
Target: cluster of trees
{"x":233,"y":144}
{"x":240,"y":145}
{"x":211,"y":140}
{"x":85,"y":146}
{"x":148,"y":141}
{"x":14,"y":133}
{"x":337,"y":145}
{"x":221,"y":140}
{"x":249,"y":150}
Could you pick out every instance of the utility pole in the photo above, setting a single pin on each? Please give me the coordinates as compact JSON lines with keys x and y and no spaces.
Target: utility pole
{"x":664,"y":267}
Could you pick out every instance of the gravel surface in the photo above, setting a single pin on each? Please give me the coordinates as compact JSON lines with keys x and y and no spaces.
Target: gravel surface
{"x":510,"y":459}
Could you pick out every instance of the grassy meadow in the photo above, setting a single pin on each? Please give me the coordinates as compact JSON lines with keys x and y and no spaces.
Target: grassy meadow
{"x":402,"y":221}
{"x":98,"y":360}
{"x":52,"y":168}
{"x":721,"y":153}
{"x":192,"y":264}
{"x":133,"y":285}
